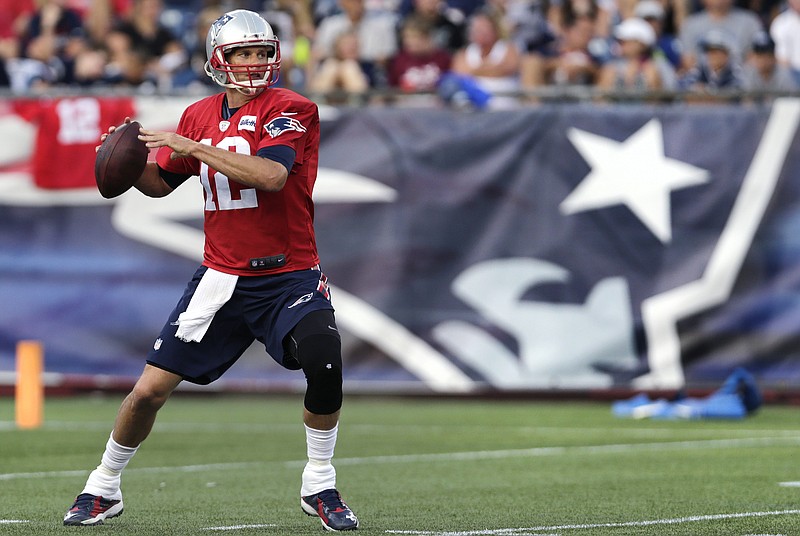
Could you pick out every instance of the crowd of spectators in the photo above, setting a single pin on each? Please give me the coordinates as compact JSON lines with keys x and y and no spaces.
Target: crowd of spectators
{"x":487,"y":53}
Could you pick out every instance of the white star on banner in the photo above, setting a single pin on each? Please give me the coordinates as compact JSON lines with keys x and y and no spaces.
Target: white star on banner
{"x":635,"y":173}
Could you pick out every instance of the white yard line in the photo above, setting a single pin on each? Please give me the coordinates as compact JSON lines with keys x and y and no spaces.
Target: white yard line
{"x":179,"y":427}
{"x":622,"y":524}
{"x":194,"y":427}
{"x":454,"y":456}
{"x":238,"y":527}
{"x":176,"y":469}
{"x":561,"y":450}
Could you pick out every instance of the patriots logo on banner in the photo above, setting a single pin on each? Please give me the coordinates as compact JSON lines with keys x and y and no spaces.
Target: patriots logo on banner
{"x":592,"y":247}
{"x":281,"y":124}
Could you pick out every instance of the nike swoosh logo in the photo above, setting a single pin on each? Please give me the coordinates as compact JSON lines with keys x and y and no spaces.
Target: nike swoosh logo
{"x":333,"y":328}
{"x":288,"y":113}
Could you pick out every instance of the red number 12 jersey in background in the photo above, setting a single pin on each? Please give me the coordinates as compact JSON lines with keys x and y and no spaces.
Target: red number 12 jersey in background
{"x":241,"y":222}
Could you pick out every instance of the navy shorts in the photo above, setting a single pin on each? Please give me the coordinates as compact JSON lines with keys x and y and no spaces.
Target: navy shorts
{"x":265,"y":308}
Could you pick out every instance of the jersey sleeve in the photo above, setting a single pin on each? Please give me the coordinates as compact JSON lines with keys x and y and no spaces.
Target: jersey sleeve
{"x":179,"y":166}
{"x":289,"y":126}
{"x":282,"y":154}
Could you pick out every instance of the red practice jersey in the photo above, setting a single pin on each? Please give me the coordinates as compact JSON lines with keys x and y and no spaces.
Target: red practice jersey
{"x":244,"y":225}
{"x":68,"y":131}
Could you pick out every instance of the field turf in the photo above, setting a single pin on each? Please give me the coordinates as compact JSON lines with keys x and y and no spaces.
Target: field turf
{"x":231,"y":465}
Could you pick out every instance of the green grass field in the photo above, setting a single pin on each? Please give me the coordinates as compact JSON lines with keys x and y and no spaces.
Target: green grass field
{"x":231,"y":465}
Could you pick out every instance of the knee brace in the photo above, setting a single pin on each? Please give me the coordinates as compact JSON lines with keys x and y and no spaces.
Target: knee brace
{"x":320,"y":356}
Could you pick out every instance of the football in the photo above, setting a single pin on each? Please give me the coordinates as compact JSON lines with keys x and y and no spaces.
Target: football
{"x":120,"y":161}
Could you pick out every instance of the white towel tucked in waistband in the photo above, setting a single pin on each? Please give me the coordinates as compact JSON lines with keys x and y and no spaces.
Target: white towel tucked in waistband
{"x":214,"y":289}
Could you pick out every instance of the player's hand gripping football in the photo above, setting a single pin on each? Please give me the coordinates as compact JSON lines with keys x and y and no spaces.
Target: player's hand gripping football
{"x":111,"y":129}
{"x":180,"y":145}
{"x":120,"y":160}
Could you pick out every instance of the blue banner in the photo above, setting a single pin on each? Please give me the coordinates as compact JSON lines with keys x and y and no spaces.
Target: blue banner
{"x":556,"y":247}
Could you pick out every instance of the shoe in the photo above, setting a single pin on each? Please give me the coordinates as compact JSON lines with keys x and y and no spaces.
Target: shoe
{"x":92,"y":510}
{"x":331,"y":510}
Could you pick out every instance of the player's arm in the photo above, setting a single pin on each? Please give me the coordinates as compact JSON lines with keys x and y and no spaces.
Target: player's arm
{"x":152,"y":182}
{"x":255,"y":171}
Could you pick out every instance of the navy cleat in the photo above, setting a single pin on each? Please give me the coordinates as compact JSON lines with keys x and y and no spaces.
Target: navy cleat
{"x":331,"y":510}
{"x":92,"y":510}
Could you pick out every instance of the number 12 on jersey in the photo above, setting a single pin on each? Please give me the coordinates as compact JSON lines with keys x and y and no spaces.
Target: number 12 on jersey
{"x":224,"y":200}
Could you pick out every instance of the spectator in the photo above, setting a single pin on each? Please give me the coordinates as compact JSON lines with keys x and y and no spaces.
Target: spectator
{"x":766,"y":10}
{"x":420,"y":63}
{"x":785,"y":31}
{"x":667,"y":44}
{"x":717,"y":69}
{"x":671,"y":12}
{"x":377,"y":37}
{"x":99,"y":16}
{"x":564,"y":13}
{"x":301,"y":16}
{"x":192,"y":74}
{"x":529,"y":26}
{"x":635,"y":69}
{"x":568,"y":61}
{"x":322,"y":9}
{"x":722,"y":16}
{"x":762,"y":72}
{"x":90,"y":68}
{"x":466,"y":7}
{"x":14,"y":17}
{"x":9,"y":52}
{"x":296,"y":29}
{"x":52,"y":24}
{"x":53,"y":38}
{"x":33,"y":74}
{"x":448,"y":24}
{"x":5,"y":79}
{"x":386,"y":6}
{"x":281,"y":15}
{"x":675,"y":12}
{"x":490,"y":59}
{"x":48,"y":49}
{"x":342,"y":72}
{"x":142,"y":37}
{"x":132,"y":70}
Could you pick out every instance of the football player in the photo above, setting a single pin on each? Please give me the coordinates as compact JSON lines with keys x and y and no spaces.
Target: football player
{"x":255,"y":149}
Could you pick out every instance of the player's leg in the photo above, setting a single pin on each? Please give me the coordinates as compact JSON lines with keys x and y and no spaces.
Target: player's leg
{"x":138,"y":411}
{"x":200,"y":362}
{"x":101,"y":497}
{"x":317,"y":347}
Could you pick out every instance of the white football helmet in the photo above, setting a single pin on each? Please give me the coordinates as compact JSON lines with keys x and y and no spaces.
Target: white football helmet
{"x":242,"y":28}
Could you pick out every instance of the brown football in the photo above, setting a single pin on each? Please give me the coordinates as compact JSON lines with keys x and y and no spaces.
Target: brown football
{"x":120,"y":161}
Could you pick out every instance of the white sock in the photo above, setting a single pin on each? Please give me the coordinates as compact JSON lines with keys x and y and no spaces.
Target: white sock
{"x":319,"y":474}
{"x":105,"y":480}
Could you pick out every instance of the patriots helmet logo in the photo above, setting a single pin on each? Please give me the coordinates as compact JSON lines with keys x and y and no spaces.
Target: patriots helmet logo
{"x":281,"y":124}
{"x":220,"y":22}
